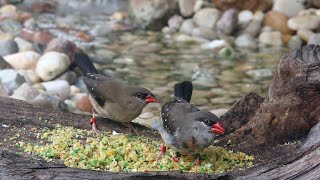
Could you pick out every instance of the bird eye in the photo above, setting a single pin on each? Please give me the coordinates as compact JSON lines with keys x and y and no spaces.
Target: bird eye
{"x":139,"y":95}
{"x":206,"y":122}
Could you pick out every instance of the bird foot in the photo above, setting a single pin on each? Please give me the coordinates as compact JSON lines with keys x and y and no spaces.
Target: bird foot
{"x":93,"y":123}
{"x":129,"y":125}
{"x":162,"y":152}
{"x":175,"y":159}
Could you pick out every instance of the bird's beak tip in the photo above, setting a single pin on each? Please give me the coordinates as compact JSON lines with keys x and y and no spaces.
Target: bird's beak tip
{"x":217,"y":128}
{"x":150,"y":99}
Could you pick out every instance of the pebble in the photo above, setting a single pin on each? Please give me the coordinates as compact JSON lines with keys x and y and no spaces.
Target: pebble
{"x":308,"y":22}
{"x":25,"y":92}
{"x":23,"y":60}
{"x":271,"y":38}
{"x":4,"y":92}
{"x":254,"y":28}
{"x":206,"y":17}
{"x":222,"y":100}
{"x":187,"y":7}
{"x":187,"y":26}
{"x":74,"y":89}
{"x":244,"y":18}
{"x":8,"y":10}
{"x":246,"y":41}
{"x":215,"y":44}
{"x":175,"y":22}
{"x":69,"y":76}
{"x":50,"y":101}
{"x":259,"y":74}
{"x":204,"y":32}
{"x":228,"y":22}
{"x":219,"y":112}
{"x":52,"y":64}
{"x":314,"y":39}
{"x":288,"y":7}
{"x":23,"y":45}
{"x":84,"y":104}
{"x":11,"y":79}
{"x":30,"y":76}
{"x":4,"y":64}
{"x":57,"y":87}
{"x":8,"y":47}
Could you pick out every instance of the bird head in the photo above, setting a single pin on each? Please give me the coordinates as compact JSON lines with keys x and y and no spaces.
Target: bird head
{"x":209,"y":121}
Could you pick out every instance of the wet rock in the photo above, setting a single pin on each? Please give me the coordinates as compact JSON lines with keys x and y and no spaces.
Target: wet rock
{"x":228,"y":22}
{"x":52,"y":64}
{"x":61,"y":88}
{"x":50,"y":101}
{"x":314,"y":39}
{"x":80,"y":84}
{"x":277,"y":21}
{"x":259,"y":74}
{"x":152,"y":13}
{"x":25,"y":92}
{"x":288,"y":7}
{"x":206,"y":17}
{"x":187,"y":7}
{"x":23,"y":60}
{"x":204,"y":32}
{"x":30,"y":76}
{"x":308,"y":22}
{"x":167,"y":30}
{"x":11,"y":26}
{"x":304,"y":34}
{"x":295,"y":42}
{"x":254,"y":5}
{"x":42,"y":37}
{"x":244,"y":18}
{"x":271,"y":38}
{"x":4,"y":64}
{"x":187,"y":26}
{"x":246,"y":41}
{"x":8,"y":47}
{"x":69,"y":76}
{"x":10,"y":79}
{"x":175,"y":22}
{"x":23,"y":45}
{"x":84,"y":104}
{"x":254,"y":28}
{"x":258,"y":16}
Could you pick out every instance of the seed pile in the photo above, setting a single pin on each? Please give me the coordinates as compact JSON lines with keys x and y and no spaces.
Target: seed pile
{"x":118,"y":152}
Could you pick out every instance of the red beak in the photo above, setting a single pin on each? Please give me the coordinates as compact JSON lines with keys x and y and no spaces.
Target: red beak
{"x":217,"y":128}
{"x":150,"y":99}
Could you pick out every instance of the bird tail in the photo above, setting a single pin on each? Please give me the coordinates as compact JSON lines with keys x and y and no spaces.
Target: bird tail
{"x":183,"y":90}
{"x":83,"y":61}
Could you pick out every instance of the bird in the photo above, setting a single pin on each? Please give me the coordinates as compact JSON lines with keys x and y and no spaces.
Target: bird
{"x":185,"y":128}
{"x":111,"y":98}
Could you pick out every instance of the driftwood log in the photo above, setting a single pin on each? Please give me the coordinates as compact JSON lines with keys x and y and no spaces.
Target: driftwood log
{"x":254,"y":124}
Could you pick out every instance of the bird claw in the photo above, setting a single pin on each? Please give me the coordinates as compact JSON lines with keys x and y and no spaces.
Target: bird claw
{"x":129,"y":125}
{"x":95,"y":129}
{"x":162,"y":152}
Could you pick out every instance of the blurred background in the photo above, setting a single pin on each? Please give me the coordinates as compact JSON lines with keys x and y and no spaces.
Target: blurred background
{"x":228,"y":48}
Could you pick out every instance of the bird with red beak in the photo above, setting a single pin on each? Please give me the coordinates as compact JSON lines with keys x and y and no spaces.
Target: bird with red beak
{"x":109,"y":97}
{"x":185,"y":128}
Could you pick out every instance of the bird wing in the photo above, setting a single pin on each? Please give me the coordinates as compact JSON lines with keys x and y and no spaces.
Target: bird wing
{"x":102,"y":88}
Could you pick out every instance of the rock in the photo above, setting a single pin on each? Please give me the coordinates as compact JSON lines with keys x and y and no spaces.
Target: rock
{"x":246,"y":41}
{"x":84,"y":104}
{"x":200,"y":101}
{"x":313,"y":137}
{"x":52,"y":64}
{"x":69,"y":76}
{"x":271,"y":38}
{"x":219,"y":112}
{"x":4,"y":64}
{"x":186,"y":7}
{"x":42,"y":7}
{"x":30,"y":76}
{"x":42,"y":37}
{"x":288,"y":7}
{"x":277,"y":21}
{"x":222,"y":100}
{"x":244,"y":18}
{"x":63,"y":46}
{"x":25,"y":92}
{"x":175,"y":22}
{"x":308,"y":22}
{"x":203,"y":79}
{"x":152,"y":13}
{"x":206,"y":17}
{"x":253,"y":5}
{"x":167,"y":30}
{"x":304,"y":34}
{"x":258,"y":16}
{"x":204,"y":32}
{"x":316,"y":3}
{"x":6,"y":36}
{"x":124,"y":60}
{"x":186,"y":38}
{"x":219,"y":43}
{"x":4,"y":92}
{"x":74,"y":90}
{"x":254,"y":28}
{"x":259,"y":74}
{"x":50,"y":101}
{"x":8,"y":47}
{"x":23,"y":60}
{"x":61,"y":88}
{"x":228,"y":22}
{"x":295,"y":42}
{"x":23,"y":45}
{"x":10,"y":79}
{"x":101,"y":29}
{"x":11,"y":26}
{"x":187,"y":26}
{"x":8,"y":10}
{"x":314,"y":39}
{"x":103,"y":56}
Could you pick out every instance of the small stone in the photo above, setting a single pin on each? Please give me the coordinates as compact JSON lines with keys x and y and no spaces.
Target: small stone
{"x":219,"y":112}
{"x":259,"y":74}
{"x":10,"y":79}
{"x":69,"y":76}
{"x":42,"y":7}
{"x":101,"y":29}
{"x":254,"y":28}
{"x":175,"y":22}
{"x":30,"y":76}
{"x":215,"y":44}
{"x":304,"y":34}
{"x":52,"y":64}
{"x":11,"y":26}
{"x":8,"y":10}
{"x":187,"y":26}
{"x":206,"y":17}
{"x":308,"y":22}
{"x":314,"y":39}
{"x":258,"y":16}
{"x":42,"y":37}
{"x":25,"y":92}
{"x":124,"y":61}
{"x":246,"y":41}
{"x":4,"y":64}
{"x":50,"y":101}
{"x":316,"y":3}
{"x":187,"y":7}
{"x":57,"y":87}
{"x":228,"y":22}
{"x":204,"y":32}
{"x":8,"y":47}
{"x":271,"y":38}
{"x":244,"y":18}
{"x":62,"y":46}
{"x":6,"y":36}
{"x":23,"y":60}
{"x":295,"y":42}
{"x":222,"y":100}
{"x":23,"y":16}
{"x":74,"y":89}
{"x":23,"y":45}
{"x":200,"y":101}
{"x":277,"y":21}
{"x":84,"y":104}
{"x":4,"y":92}
{"x":288,"y":7}
{"x":167,"y":30}
{"x":119,"y":16}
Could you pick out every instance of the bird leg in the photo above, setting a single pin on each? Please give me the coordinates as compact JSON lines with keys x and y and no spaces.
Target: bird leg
{"x":162,"y":152}
{"x":93,"y":122}
{"x":129,"y":125}
{"x":176,"y":159}
{"x":197,"y":161}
